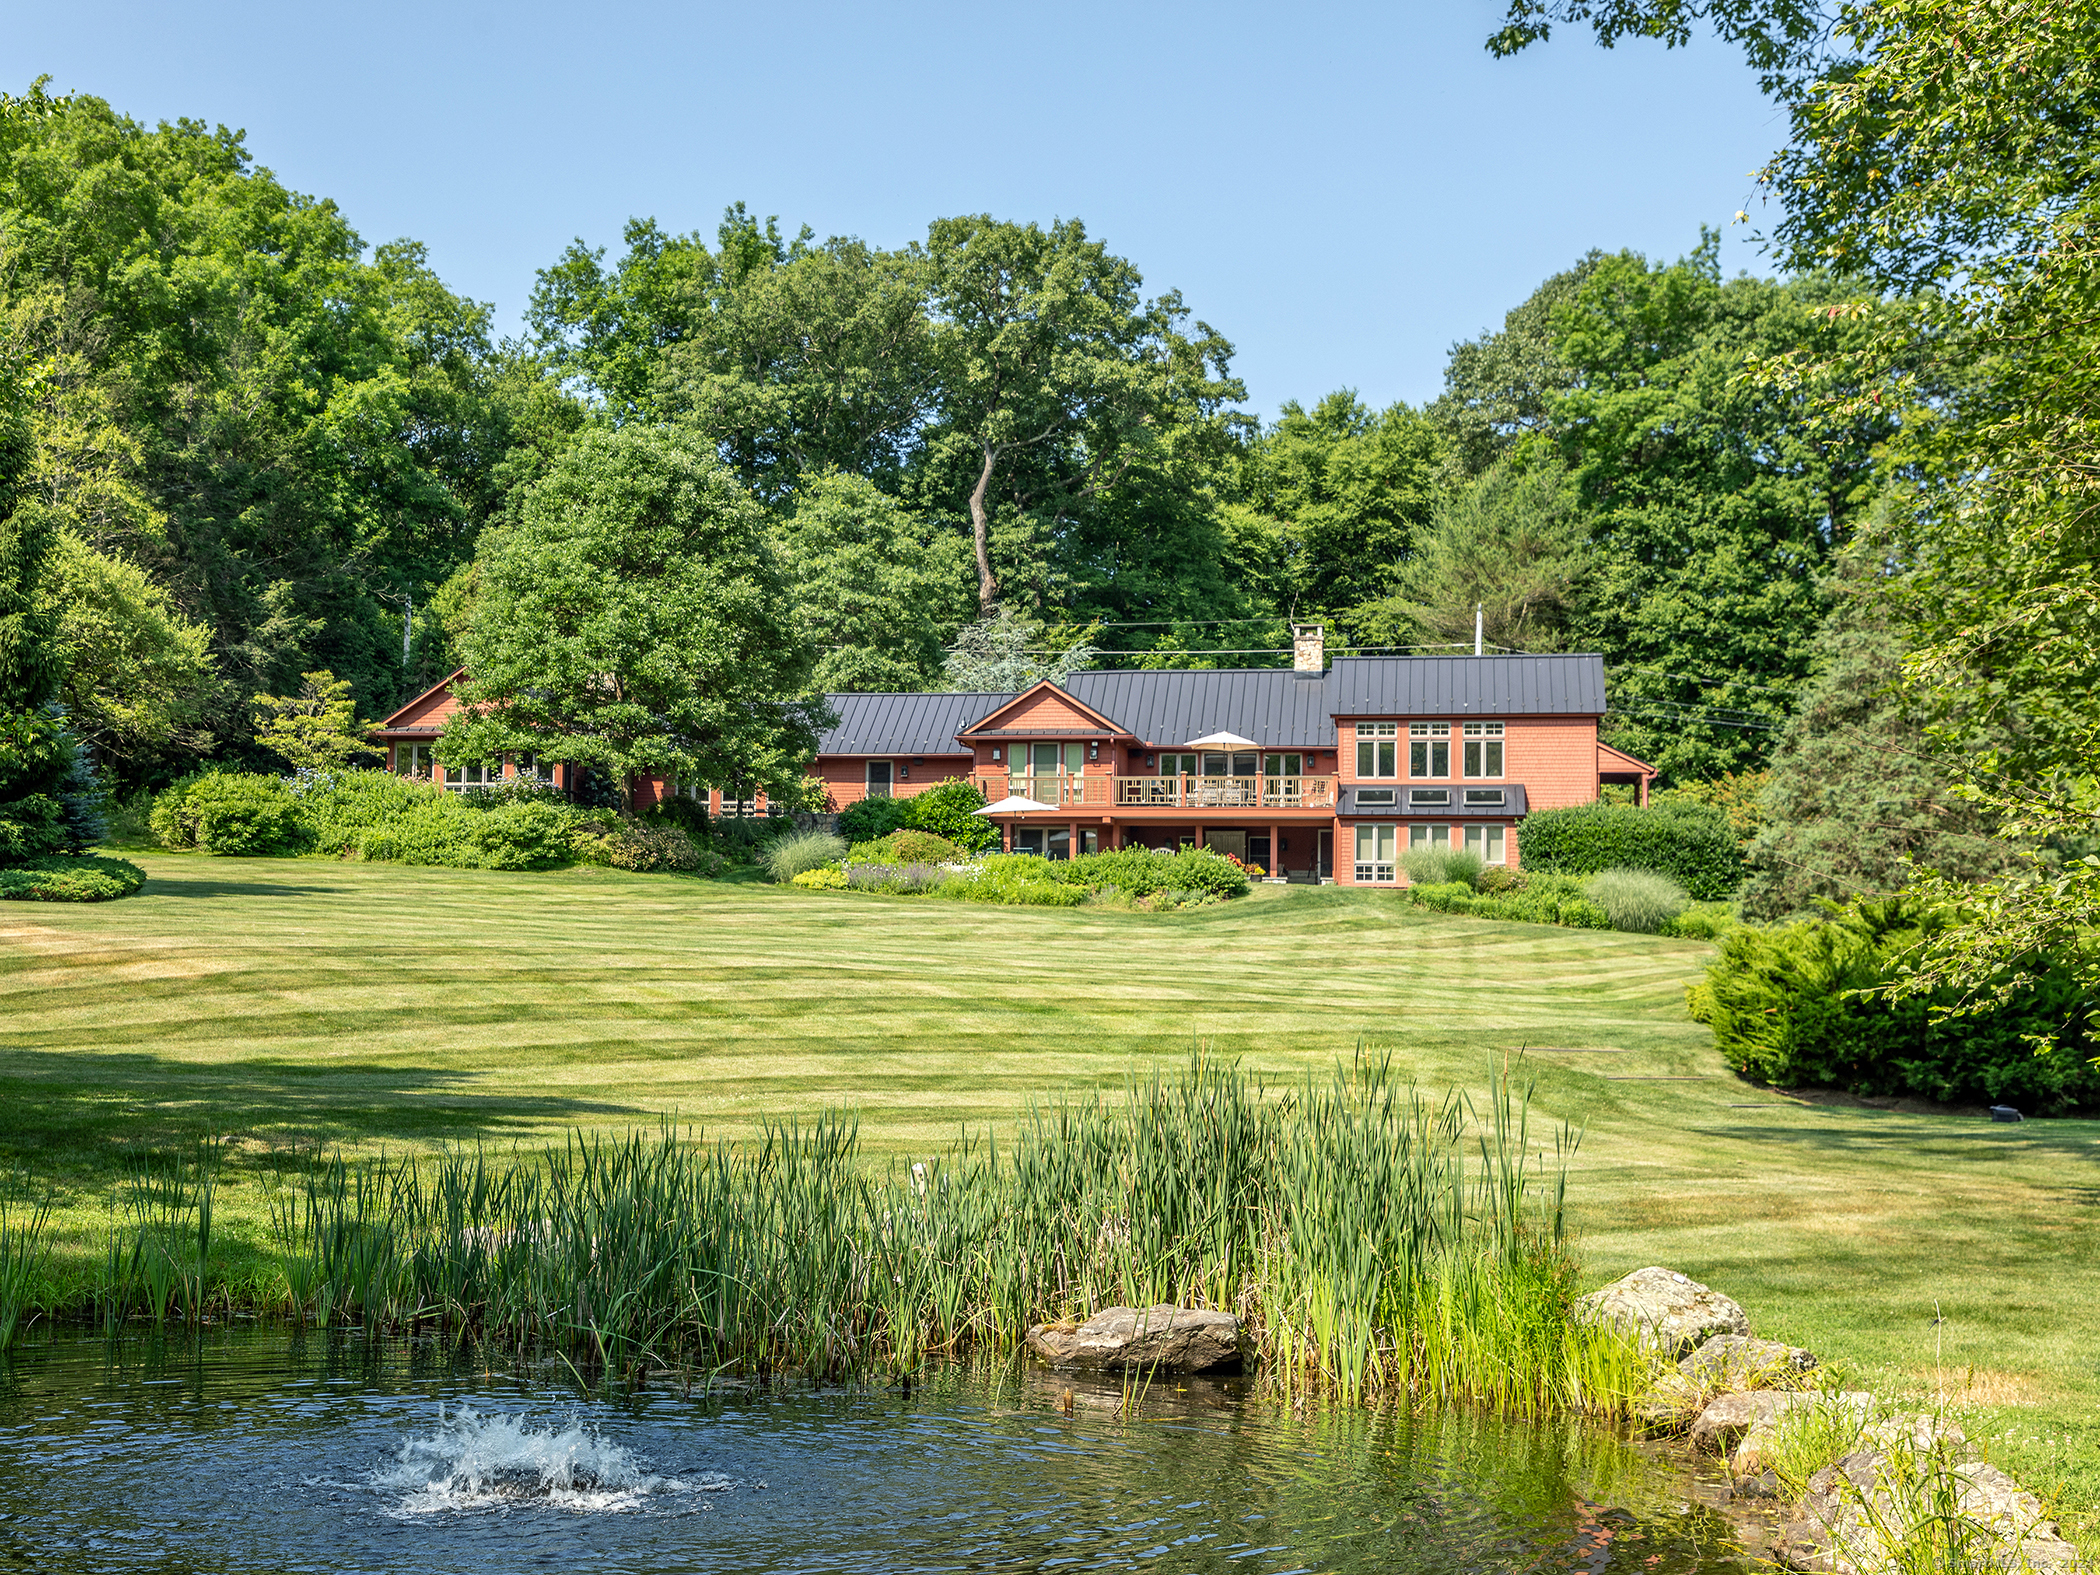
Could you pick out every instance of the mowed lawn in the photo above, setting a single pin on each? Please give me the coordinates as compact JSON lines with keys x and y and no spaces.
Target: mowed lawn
{"x":301,"y":1002}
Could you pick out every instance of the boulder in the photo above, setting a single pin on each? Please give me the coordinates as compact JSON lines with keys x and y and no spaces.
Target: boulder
{"x":1148,"y":1339}
{"x":1735,"y":1361}
{"x":1859,"y":1511}
{"x":1724,"y":1421}
{"x":1668,"y":1312}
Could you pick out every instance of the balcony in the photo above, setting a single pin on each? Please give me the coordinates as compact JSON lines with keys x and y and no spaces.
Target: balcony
{"x":1169,"y":792}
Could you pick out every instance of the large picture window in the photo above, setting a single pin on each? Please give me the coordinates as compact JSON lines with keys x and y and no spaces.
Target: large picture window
{"x":1375,"y":846}
{"x":1429,"y":836}
{"x":459,"y":778}
{"x":415,"y":760}
{"x":1483,"y":749}
{"x":1487,"y":841}
{"x":1429,"y":749}
{"x":1378,"y":749}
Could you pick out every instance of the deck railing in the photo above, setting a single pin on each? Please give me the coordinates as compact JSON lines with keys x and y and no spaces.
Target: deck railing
{"x":1062,"y":790}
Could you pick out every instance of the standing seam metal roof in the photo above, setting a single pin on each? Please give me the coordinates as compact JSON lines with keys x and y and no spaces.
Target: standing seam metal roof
{"x":1274,"y":706}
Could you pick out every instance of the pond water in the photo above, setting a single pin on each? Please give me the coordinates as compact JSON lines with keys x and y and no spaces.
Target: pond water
{"x":239,"y":1452}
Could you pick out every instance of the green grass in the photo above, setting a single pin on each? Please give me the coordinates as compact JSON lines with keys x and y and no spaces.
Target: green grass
{"x":303,"y":1002}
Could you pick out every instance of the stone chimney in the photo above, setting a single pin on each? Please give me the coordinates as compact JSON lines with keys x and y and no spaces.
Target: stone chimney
{"x":1309,"y":647}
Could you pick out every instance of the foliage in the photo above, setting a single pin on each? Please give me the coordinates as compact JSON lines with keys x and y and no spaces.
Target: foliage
{"x":230,"y":813}
{"x":825,"y":877}
{"x":790,"y":855}
{"x":140,"y":681}
{"x":1143,"y":872}
{"x":1015,"y":879}
{"x":1691,"y":843}
{"x":1806,"y":1003}
{"x":948,"y":809}
{"x":907,"y":847}
{"x":873,"y":586}
{"x":636,"y":844}
{"x":1512,"y":543}
{"x":226,"y":391}
{"x":1702,"y":921}
{"x":1542,"y":899}
{"x":1005,"y":652}
{"x":688,"y":815}
{"x":1441,"y":866}
{"x":1859,"y":799}
{"x":64,"y":877}
{"x":1331,"y":502}
{"x":315,"y":730}
{"x":868,"y":819}
{"x":1740,"y":795}
{"x":634,"y":621}
{"x":910,"y":878}
{"x":1638,"y":900}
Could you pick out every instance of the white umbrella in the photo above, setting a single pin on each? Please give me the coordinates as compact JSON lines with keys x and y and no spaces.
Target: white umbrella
{"x":1221,"y":741}
{"x":1013,"y":804}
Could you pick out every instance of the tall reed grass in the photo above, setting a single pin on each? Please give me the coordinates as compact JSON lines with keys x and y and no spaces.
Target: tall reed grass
{"x":24,"y":1244}
{"x":1374,"y":1242}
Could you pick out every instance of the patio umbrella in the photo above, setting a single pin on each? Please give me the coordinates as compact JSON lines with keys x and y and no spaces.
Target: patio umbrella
{"x":1014,"y":804}
{"x":1221,"y":741}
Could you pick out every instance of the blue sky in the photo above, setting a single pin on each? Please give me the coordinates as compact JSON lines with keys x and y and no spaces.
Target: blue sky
{"x":1340,"y":189}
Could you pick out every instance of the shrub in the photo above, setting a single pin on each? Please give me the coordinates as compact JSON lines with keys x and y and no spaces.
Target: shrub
{"x":1019,"y":879}
{"x":907,"y":878}
{"x":1142,"y":872}
{"x":823,"y":878}
{"x":1785,"y":1007}
{"x":907,"y":847}
{"x":230,"y":813}
{"x":1542,"y":899}
{"x":1702,"y":921}
{"x":945,"y":809}
{"x":639,"y":845}
{"x":874,"y":818}
{"x":790,"y":855}
{"x":1441,"y":866}
{"x":1637,"y":900}
{"x":61,"y":877}
{"x":745,"y":838}
{"x":687,"y":815}
{"x":1689,"y":842}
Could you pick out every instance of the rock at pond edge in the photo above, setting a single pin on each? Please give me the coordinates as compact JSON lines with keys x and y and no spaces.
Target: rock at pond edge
{"x":1147,"y":1339}
{"x":1668,"y":1312}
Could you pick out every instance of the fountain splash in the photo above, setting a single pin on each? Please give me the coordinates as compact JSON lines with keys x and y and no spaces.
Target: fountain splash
{"x":476,"y":1461}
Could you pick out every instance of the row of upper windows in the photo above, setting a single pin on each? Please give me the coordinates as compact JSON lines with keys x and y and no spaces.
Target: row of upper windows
{"x":1428,"y":749}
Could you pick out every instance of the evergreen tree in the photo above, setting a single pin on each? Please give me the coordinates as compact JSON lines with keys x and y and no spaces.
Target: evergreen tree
{"x":35,"y":753}
{"x":1856,"y":796}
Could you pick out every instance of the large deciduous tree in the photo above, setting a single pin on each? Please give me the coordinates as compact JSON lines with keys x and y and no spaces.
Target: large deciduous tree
{"x":634,"y":620}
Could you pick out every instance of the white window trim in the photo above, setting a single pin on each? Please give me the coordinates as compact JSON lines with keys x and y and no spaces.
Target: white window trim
{"x":1374,"y":871}
{"x":1485,"y":734}
{"x":1479,"y":834}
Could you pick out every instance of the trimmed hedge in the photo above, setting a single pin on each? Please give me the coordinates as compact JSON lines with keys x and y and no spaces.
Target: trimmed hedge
{"x":77,"y":877}
{"x":1782,"y":1006}
{"x":1690,"y":843}
{"x":1543,"y":899}
{"x":380,"y":817}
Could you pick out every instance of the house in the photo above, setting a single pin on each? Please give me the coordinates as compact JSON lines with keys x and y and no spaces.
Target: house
{"x":1313,"y":771}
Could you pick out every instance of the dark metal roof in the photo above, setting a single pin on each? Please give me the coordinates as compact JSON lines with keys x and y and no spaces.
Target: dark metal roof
{"x":904,"y":724}
{"x":1271,"y":705}
{"x":1350,"y":801}
{"x":1466,"y":686}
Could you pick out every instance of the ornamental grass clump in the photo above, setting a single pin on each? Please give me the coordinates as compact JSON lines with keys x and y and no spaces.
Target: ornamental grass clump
{"x":1443,"y":866}
{"x":788,"y":856}
{"x":1641,"y":901}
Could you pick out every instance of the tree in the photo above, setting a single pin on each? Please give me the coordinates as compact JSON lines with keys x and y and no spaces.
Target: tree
{"x":1008,"y":651}
{"x":874,"y":590}
{"x":1857,"y":796}
{"x":635,"y":621}
{"x":1053,"y":377}
{"x":1499,"y":389}
{"x":36,"y":756}
{"x":1515,"y":545}
{"x":315,"y":730}
{"x":139,"y":678}
{"x":1337,"y":495}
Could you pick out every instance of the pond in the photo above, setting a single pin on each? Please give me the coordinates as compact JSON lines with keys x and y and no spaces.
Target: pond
{"x":261,"y":1451}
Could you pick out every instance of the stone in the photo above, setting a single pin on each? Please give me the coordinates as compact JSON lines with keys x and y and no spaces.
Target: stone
{"x":1854,"y":1511}
{"x":1724,"y":1421}
{"x":1735,"y":1361}
{"x":1668,"y":1312}
{"x":1148,"y":1339}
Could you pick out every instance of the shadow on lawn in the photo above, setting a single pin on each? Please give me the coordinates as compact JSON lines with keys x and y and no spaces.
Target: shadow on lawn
{"x":179,"y":886}
{"x":2066,"y":1141}
{"x":53,"y":1101}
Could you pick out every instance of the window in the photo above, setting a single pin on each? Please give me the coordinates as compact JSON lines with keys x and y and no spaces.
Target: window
{"x":415,"y":760}
{"x":1483,"y":749}
{"x":1177,"y":765}
{"x":1383,"y":797}
{"x":530,"y":768}
{"x":878,"y":779}
{"x":1283,"y":765}
{"x":1374,"y":853}
{"x":1429,"y":836}
{"x":1487,"y":842}
{"x":1429,"y":749}
{"x":1428,"y":798}
{"x":459,"y":779}
{"x":1378,"y":749}
{"x":1490,"y":798}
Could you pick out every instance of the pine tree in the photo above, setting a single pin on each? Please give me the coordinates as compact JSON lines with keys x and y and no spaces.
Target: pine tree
{"x":1856,"y":797}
